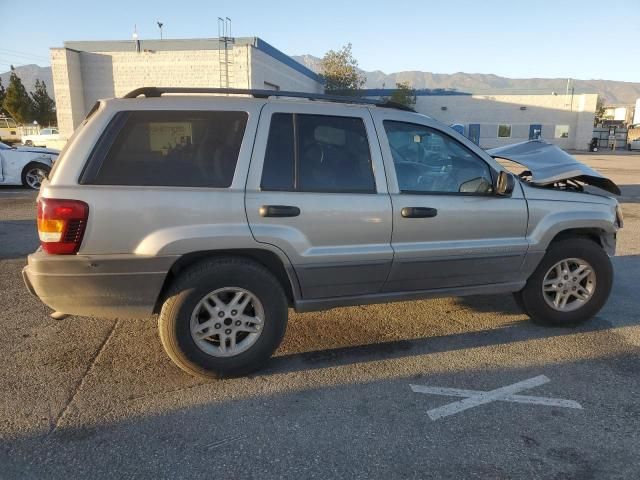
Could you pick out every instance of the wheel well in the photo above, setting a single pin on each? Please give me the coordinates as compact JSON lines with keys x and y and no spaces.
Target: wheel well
{"x":264,"y":257}
{"x":593,"y":234}
{"x":31,"y":163}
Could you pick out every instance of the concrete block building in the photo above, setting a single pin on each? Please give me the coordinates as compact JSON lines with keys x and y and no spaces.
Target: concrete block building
{"x":501,"y":119}
{"x":496,"y":119}
{"x":86,"y":71}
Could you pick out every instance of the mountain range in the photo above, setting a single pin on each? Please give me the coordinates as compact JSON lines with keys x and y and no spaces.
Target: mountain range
{"x":613,"y":92}
{"x":29,"y":74}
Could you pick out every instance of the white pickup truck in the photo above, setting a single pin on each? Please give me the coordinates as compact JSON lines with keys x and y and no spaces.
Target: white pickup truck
{"x":40,"y":140}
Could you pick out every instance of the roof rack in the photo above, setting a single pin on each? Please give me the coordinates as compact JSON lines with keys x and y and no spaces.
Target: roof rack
{"x":159,"y":91}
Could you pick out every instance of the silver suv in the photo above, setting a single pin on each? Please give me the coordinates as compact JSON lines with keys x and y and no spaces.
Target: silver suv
{"x":221,"y":212}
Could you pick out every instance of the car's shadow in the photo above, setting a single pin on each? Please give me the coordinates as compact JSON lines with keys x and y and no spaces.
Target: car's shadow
{"x":515,"y":331}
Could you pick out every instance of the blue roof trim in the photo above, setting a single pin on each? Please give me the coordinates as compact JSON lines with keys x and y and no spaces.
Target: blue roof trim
{"x":179,"y":44}
{"x":286,"y":59}
{"x":423,"y":92}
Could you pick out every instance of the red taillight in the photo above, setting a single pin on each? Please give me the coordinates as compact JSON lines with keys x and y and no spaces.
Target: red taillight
{"x":61,"y":225}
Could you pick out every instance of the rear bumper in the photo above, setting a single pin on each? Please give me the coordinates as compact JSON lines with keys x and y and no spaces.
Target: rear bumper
{"x":114,"y":286}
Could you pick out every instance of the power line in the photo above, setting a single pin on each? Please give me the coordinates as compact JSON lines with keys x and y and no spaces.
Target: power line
{"x":23,"y":57}
{"x":28,"y":54}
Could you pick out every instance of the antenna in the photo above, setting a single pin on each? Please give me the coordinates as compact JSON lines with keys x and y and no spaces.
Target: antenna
{"x":134,"y":35}
{"x":160,"y":24}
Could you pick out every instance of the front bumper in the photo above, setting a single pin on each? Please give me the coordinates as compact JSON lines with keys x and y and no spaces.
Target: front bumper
{"x":113,"y":286}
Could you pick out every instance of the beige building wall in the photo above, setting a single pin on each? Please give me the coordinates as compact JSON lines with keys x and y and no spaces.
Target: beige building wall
{"x":492,"y":110}
{"x":82,"y":78}
{"x":68,"y":89}
{"x":267,"y":74}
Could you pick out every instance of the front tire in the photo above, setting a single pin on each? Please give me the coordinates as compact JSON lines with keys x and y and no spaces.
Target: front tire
{"x":223,"y":317}
{"x":34,"y":173}
{"x":571,"y":284}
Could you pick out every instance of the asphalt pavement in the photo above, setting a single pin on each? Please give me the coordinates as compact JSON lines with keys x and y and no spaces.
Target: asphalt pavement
{"x":361,"y":392}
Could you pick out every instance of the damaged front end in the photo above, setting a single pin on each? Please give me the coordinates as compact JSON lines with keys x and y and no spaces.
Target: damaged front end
{"x":548,"y":165}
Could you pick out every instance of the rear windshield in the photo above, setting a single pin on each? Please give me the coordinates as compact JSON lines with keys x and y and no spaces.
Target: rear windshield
{"x":173,"y":148}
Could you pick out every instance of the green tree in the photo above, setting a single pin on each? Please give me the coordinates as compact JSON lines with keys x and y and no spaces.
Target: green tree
{"x":404,"y":95}
{"x":17,"y":102}
{"x":340,"y":72}
{"x":3,"y":93}
{"x":597,"y":119}
{"x":44,"y":108}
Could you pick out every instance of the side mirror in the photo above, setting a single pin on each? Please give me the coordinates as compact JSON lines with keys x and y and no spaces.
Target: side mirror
{"x":505,"y":184}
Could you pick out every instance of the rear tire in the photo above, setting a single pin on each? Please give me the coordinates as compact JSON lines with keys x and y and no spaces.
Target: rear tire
{"x":33,"y":174}
{"x":196,"y":348}
{"x":585,"y":297}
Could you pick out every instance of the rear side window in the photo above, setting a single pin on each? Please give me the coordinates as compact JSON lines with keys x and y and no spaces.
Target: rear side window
{"x":317,"y":153}
{"x":173,"y":148}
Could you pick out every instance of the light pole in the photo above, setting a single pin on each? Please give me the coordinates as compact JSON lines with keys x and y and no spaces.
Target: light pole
{"x":160,"y":24}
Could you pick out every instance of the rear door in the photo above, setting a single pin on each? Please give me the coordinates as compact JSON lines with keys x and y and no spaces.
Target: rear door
{"x":317,"y":191}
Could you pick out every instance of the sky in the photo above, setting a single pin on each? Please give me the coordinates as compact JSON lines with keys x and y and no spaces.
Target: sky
{"x":565,"y":39}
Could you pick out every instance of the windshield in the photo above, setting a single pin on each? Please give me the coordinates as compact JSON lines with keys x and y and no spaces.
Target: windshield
{"x":4,"y":146}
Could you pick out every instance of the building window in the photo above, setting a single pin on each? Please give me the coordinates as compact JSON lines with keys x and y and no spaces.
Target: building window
{"x":504,"y":131}
{"x":562,"y":131}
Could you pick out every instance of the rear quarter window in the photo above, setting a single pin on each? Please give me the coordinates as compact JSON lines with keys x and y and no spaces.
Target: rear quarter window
{"x":170,"y":148}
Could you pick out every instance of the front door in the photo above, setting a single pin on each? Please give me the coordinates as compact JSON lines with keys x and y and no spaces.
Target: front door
{"x":316,"y":190}
{"x":449,"y":228}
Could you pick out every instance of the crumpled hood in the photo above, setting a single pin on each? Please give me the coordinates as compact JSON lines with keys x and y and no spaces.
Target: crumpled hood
{"x":47,"y":151}
{"x":548,"y":164}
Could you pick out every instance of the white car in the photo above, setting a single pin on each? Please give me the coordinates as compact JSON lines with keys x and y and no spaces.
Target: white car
{"x":40,"y":140}
{"x":26,"y":166}
{"x":634,"y":144}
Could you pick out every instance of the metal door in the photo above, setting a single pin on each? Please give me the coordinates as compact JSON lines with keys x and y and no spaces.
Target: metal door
{"x":443,"y":236}
{"x":474,"y":133}
{"x":535,"y":131}
{"x":339,"y":242}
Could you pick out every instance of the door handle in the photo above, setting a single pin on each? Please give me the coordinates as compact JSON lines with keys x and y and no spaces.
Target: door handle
{"x":418,"y":212}
{"x":279,"y":211}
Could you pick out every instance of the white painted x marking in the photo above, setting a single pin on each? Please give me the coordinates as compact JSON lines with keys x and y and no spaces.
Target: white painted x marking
{"x":475,"y":398}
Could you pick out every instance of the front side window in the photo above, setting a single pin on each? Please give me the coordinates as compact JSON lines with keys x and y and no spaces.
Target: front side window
{"x":174,"y":148}
{"x":429,"y":161}
{"x":504,"y":131}
{"x":317,"y":153}
{"x":562,"y":131}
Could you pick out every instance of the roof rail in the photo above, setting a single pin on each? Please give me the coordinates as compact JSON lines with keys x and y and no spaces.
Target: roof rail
{"x":159,"y":91}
